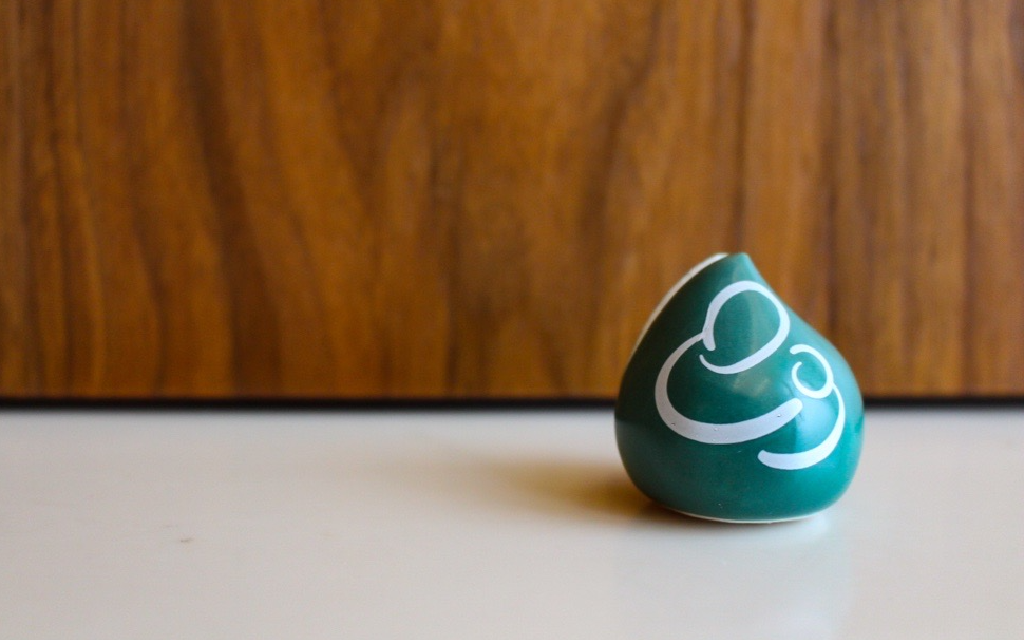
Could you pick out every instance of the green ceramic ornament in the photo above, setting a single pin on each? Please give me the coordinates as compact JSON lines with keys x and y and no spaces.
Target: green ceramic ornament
{"x":732,"y":408}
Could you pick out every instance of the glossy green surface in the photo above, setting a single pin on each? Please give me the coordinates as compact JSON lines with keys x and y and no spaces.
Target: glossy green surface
{"x":711,"y":462}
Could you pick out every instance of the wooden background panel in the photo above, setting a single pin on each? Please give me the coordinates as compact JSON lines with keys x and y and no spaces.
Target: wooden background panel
{"x":786,"y":151}
{"x":995,"y":163}
{"x":386,"y":198}
{"x":13,"y":285}
{"x":673,"y":192}
{"x":901,"y":214}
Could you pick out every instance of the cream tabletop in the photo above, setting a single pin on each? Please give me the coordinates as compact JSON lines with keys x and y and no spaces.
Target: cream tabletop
{"x":484,"y":524}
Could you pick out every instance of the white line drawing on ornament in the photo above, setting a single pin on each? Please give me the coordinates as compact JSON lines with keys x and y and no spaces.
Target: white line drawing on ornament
{"x":762,"y":425}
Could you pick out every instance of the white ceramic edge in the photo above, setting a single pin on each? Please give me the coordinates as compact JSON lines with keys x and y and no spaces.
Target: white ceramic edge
{"x":673,"y":291}
{"x":729,"y":521}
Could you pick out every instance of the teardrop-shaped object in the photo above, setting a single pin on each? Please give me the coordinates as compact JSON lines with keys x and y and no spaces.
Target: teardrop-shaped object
{"x":732,"y":408}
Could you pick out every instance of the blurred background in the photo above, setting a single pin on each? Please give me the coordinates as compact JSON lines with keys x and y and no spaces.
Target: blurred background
{"x":459,"y":199}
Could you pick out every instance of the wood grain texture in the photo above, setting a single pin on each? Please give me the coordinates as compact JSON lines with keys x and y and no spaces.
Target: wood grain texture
{"x":902,"y":188}
{"x":995,"y":163}
{"x":394,"y":199}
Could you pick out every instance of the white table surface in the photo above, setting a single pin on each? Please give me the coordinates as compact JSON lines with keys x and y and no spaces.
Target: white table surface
{"x":485,"y":525}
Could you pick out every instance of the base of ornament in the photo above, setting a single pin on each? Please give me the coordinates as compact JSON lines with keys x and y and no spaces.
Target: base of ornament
{"x":731,"y":521}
